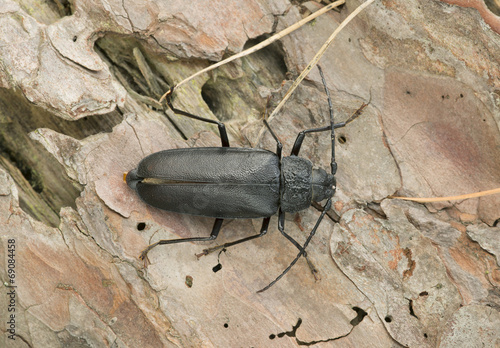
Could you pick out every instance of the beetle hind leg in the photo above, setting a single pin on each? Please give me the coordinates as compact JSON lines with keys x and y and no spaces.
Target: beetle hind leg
{"x":263,"y":231}
{"x":213,"y":236}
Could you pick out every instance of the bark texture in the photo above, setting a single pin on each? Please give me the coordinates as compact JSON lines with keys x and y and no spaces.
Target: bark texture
{"x":78,"y":110}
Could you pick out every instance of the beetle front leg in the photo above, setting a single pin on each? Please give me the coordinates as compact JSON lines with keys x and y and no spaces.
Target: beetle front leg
{"x":302,"y":251}
{"x":331,"y":127}
{"x":263,"y":231}
{"x":281,"y":228}
{"x":213,"y":236}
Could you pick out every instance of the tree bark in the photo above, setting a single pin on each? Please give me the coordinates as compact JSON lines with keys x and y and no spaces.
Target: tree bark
{"x":78,"y":109}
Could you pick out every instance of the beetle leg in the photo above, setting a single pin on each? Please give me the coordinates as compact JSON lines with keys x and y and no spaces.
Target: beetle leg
{"x":263,"y":231}
{"x":354,"y":115}
{"x":213,"y":235}
{"x":300,"y":137}
{"x":281,"y":228}
{"x":302,"y":251}
{"x":279,"y":145}
{"x":222,"y":128}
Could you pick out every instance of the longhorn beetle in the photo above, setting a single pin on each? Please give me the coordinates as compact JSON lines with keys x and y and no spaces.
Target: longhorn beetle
{"x":239,"y":182}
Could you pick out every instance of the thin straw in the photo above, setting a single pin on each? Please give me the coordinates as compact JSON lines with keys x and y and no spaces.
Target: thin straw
{"x":258,"y":46}
{"x":314,"y":61}
{"x":450,"y":198}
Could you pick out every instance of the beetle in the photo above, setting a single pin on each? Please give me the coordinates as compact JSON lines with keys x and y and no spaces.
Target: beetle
{"x":231,"y":183}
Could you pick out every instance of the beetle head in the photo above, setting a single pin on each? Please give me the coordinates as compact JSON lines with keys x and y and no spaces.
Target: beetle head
{"x":323,"y":185}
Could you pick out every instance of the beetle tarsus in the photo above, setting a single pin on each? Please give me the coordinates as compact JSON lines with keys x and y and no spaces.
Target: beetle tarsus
{"x":204,"y":252}
{"x":263,"y":231}
{"x":168,"y":94}
{"x":145,"y":252}
{"x":313,"y":269}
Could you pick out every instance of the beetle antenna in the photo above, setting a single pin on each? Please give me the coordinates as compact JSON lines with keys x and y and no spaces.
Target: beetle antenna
{"x":327,"y":207}
{"x":333,"y":164}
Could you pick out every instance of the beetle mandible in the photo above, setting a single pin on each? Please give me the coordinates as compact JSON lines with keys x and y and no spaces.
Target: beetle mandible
{"x":239,"y":182}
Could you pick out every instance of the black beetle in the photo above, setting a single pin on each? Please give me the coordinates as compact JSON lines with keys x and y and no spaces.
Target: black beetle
{"x":228,"y":183}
